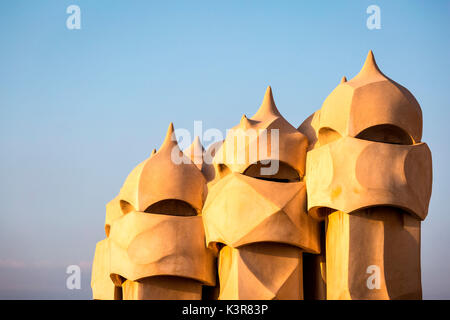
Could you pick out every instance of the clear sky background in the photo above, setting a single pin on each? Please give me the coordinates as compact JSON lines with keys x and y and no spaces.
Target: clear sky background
{"x":79,"y":109}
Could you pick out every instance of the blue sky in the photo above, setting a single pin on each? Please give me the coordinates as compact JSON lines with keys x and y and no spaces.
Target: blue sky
{"x":80,"y":108}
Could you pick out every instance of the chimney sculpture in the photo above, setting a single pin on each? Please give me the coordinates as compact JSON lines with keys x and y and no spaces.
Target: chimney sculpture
{"x":157,"y":246}
{"x":103,"y":287}
{"x":256,"y":220}
{"x":369,"y":177}
{"x":179,"y":221}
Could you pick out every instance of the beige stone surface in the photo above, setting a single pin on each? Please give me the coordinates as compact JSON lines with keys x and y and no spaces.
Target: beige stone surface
{"x":113,"y":212}
{"x":148,"y":183}
{"x":103,"y":287}
{"x":156,"y":244}
{"x":195,"y":152}
{"x":340,"y":218}
{"x":369,"y":176}
{"x":257,"y":222}
{"x":261,"y":271}
{"x":237,"y":157}
{"x":145,"y":245}
{"x":162,"y":288}
{"x":371,"y":99}
{"x":276,"y":213}
{"x":349,"y":174}
{"x":384,"y":237}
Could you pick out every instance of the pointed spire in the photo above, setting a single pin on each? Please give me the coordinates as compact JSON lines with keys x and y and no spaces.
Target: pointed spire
{"x":170,"y":140}
{"x":244,"y":123}
{"x":195,"y":152}
{"x":196,"y":145}
{"x":370,"y":67}
{"x":267,"y":108}
{"x":197,"y":141}
{"x":170,"y":131}
{"x":153,"y":152}
{"x":344,"y":79}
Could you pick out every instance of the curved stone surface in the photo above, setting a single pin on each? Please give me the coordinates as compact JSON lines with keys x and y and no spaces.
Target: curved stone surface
{"x":351,"y":174}
{"x":145,"y":245}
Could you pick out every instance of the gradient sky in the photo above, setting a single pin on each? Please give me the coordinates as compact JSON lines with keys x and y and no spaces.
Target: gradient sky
{"x":80,"y":108}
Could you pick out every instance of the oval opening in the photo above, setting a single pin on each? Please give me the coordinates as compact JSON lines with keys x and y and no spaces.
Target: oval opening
{"x":223,"y":170}
{"x":107,"y":230}
{"x":285,"y":172}
{"x":172,"y":207}
{"x":328,"y":135}
{"x":386,"y":133}
{"x":126,"y":207}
